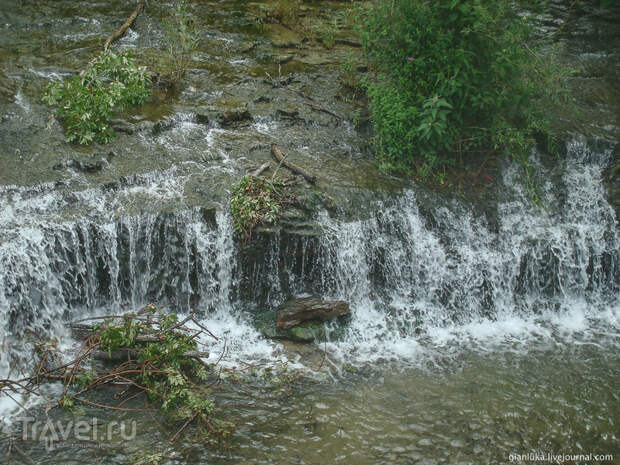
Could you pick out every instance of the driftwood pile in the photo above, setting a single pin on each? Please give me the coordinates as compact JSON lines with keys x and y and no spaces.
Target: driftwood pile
{"x":103,"y":361}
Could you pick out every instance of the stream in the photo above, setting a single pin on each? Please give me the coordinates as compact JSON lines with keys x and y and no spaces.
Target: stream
{"x":483,"y":329}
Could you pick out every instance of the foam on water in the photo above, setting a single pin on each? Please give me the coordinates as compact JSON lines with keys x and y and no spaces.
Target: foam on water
{"x":263,"y":125}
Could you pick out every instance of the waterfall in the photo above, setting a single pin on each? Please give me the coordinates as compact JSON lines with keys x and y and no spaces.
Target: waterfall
{"x":448,"y":275}
{"x":412,"y":275}
{"x":57,"y":271}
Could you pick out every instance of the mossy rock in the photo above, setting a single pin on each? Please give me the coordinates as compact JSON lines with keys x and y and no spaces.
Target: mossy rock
{"x":282,"y":37}
{"x":306,"y":332}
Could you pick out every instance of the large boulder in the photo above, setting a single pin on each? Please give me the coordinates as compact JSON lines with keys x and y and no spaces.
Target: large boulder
{"x":295,"y":312}
{"x":304,"y":320}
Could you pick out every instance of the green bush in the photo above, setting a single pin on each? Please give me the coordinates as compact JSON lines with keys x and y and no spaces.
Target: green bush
{"x":452,"y":78}
{"x":86,"y":102}
{"x":256,"y":200}
{"x":161,"y":368}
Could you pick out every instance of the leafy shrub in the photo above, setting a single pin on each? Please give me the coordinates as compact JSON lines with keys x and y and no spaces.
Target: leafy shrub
{"x":181,"y":39}
{"x":86,"y":102}
{"x":168,"y":376}
{"x":255,"y":200}
{"x":453,"y":78}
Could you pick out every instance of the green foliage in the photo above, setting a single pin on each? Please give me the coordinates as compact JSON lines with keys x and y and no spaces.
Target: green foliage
{"x":86,"y":102}
{"x":281,"y":379}
{"x":113,"y":337}
{"x":168,"y":375}
{"x":349,"y":77}
{"x":148,"y":458}
{"x":84,"y":378}
{"x":454,"y":78}
{"x":357,"y":117}
{"x":255,"y":200}
{"x":181,"y":39}
{"x":175,"y":388}
{"x":67,"y":403}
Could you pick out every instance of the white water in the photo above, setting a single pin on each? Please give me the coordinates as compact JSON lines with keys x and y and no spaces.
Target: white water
{"x":544,"y":275}
{"x":418,"y":293}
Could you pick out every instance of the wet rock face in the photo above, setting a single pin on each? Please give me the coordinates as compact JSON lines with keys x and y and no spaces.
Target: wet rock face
{"x":86,"y":164}
{"x":611,"y":177}
{"x":294,"y":312}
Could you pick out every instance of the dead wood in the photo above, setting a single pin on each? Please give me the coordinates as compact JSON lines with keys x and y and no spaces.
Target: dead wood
{"x":131,"y":354}
{"x":324,"y":110}
{"x":260,"y":170}
{"x":277,"y":154}
{"x":126,"y":25}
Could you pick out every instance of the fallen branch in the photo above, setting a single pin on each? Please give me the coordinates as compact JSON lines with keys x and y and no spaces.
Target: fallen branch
{"x":21,"y":453}
{"x":81,"y":330}
{"x":107,"y":407}
{"x":123,"y":29}
{"x":128,"y":354}
{"x":205,"y":329}
{"x":15,"y":386}
{"x":277,"y":154}
{"x":189,"y":420}
{"x":260,"y":170}
{"x":105,"y":317}
{"x":324,"y":110}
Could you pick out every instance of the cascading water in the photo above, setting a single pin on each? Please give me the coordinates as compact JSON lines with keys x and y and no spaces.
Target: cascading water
{"x":411,"y":278}
{"x":458,"y":280}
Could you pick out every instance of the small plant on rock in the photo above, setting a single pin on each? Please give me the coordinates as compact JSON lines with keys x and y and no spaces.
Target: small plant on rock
{"x":286,"y":12}
{"x":86,"y":102}
{"x":327,"y":34}
{"x":181,"y":39}
{"x":256,"y":200}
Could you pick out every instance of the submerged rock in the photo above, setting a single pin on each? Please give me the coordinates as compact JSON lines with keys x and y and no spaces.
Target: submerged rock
{"x":309,"y":331}
{"x":120,"y":125}
{"x":234,"y":118}
{"x":294,"y":312}
{"x":85,"y":165}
